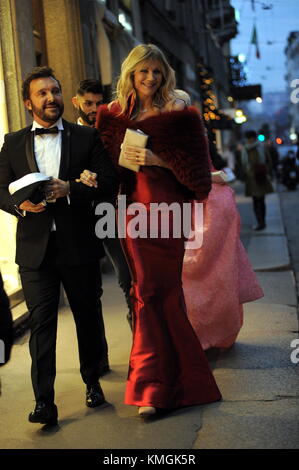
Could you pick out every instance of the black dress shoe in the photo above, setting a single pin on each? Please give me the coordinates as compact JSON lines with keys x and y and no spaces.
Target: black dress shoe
{"x":94,"y":395}
{"x":44,"y":413}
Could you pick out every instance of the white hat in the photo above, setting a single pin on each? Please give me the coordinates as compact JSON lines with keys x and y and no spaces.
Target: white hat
{"x":28,"y":187}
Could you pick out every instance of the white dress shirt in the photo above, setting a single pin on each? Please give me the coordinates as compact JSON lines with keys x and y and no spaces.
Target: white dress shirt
{"x":47,"y":150}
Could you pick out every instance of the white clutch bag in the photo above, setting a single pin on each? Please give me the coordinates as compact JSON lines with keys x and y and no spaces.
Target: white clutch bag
{"x":219,"y":177}
{"x":226,"y":176}
{"x":136,"y":139}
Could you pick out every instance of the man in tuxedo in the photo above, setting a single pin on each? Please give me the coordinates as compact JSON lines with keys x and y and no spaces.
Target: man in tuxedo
{"x":88,"y":98}
{"x":56,"y":242}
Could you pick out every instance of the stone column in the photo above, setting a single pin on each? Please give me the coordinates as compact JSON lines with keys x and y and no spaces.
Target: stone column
{"x":17,"y":55}
{"x":65,"y":47}
{"x":7,"y":222}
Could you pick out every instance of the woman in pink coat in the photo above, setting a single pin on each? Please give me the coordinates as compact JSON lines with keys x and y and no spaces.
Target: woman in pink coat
{"x":217,"y":277}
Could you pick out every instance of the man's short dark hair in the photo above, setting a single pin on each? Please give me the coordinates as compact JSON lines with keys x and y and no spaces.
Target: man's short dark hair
{"x":250,"y":134}
{"x":89,"y":85}
{"x":36,"y":72}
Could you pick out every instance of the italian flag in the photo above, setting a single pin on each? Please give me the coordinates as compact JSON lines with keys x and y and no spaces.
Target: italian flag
{"x":254,"y":41}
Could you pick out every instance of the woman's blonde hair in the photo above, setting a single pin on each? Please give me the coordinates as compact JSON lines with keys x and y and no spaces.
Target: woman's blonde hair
{"x":125,"y":84}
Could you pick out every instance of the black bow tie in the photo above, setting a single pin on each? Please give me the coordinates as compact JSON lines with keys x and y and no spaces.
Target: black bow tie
{"x":49,"y":130}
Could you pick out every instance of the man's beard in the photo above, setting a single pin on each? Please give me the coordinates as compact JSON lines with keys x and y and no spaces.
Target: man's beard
{"x":89,"y":118}
{"x":46,"y":115}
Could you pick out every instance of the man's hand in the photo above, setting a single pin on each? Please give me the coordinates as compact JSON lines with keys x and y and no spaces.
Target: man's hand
{"x":57,"y":188}
{"x":28,"y":206}
{"x":88,"y":178}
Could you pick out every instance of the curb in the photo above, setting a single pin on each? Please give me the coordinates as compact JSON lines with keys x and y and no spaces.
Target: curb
{"x":268,"y":250}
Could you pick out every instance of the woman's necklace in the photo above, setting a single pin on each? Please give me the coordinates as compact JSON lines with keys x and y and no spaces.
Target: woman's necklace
{"x":151,"y":108}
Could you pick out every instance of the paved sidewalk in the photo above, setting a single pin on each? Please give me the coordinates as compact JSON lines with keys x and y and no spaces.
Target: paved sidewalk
{"x":258,"y":381}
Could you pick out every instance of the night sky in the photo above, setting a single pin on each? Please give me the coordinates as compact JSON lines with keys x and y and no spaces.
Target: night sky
{"x":273,"y":27}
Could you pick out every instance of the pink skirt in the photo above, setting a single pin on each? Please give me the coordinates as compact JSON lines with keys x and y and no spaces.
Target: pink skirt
{"x":218,"y":277}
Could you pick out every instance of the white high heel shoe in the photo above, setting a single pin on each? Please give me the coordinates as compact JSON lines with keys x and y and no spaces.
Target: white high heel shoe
{"x":146,"y":411}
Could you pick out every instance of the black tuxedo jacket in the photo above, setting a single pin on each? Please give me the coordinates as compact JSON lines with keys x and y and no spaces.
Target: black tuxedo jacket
{"x":75,"y":222}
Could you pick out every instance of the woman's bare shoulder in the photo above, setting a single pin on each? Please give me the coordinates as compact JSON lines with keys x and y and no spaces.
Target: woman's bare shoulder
{"x":176,"y":104}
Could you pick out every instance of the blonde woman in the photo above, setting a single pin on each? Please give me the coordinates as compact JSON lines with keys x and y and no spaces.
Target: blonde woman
{"x":168,"y":368}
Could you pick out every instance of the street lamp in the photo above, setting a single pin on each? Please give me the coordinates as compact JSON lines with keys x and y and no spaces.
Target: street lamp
{"x":240,"y":116}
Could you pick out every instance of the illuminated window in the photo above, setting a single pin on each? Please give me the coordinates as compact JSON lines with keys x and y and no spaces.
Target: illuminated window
{"x":125,"y":20}
{"x":125,"y":14}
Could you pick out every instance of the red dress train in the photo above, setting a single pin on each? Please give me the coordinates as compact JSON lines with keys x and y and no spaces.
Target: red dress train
{"x":168,"y":368}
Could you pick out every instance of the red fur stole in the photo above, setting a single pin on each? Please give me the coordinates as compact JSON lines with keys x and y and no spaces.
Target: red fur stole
{"x":177,"y":137}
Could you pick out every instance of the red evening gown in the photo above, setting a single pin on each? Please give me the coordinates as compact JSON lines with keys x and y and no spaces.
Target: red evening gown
{"x":168,"y":368}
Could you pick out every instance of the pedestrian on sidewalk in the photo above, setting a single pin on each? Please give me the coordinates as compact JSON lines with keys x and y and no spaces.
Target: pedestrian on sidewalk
{"x":257,"y":181}
{"x":289,"y":171}
{"x":168,"y":368}
{"x":273,"y":155}
{"x":88,"y":98}
{"x":55,"y":238}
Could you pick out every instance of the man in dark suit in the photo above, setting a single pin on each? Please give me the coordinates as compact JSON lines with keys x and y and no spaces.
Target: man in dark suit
{"x":56,"y":242}
{"x":88,"y":98}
